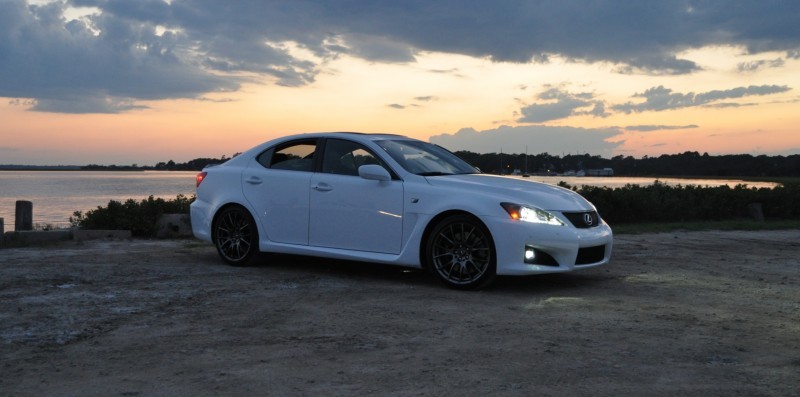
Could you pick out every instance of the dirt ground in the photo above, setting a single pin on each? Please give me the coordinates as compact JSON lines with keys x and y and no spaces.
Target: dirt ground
{"x":685,"y":313}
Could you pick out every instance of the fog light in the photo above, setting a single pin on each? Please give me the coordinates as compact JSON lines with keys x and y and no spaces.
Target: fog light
{"x":534,"y":256}
{"x":529,"y":254}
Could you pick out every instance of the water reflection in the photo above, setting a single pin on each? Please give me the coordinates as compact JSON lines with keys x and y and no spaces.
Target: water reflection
{"x":57,"y":194}
{"x":620,"y":181}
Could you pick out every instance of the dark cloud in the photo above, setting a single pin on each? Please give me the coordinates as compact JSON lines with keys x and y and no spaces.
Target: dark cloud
{"x":67,"y":68}
{"x":538,"y":139}
{"x":130,"y":51}
{"x":661,"y":98}
{"x":396,"y":106}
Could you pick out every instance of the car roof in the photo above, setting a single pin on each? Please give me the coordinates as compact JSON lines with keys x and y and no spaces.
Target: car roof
{"x":358,"y":136}
{"x":371,"y":136}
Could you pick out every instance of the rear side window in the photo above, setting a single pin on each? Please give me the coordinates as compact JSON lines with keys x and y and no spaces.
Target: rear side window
{"x":294,"y":156}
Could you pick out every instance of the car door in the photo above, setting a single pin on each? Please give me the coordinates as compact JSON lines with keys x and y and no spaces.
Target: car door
{"x":277,"y":186}
{"x":350,"y":212}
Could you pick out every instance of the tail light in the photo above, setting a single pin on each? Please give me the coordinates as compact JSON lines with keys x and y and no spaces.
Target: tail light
{"x":199,"y":178}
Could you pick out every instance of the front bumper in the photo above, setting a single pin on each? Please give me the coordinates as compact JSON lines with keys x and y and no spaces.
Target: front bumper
{"x":569,"y":248}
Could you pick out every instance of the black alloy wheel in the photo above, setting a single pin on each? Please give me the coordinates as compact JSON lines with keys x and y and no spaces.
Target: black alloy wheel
{"x":460,"y":253}
{"x":236,"y":236}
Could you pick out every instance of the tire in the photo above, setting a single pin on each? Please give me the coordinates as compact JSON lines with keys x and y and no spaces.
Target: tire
{"x":236,"y":236}
{"x":459,"y":252}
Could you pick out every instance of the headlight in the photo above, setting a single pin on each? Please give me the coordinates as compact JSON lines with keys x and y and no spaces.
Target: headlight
{"x":529,"y":214}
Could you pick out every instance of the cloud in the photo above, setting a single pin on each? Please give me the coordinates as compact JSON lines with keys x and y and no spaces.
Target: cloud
{"x":660,"y":98}
{"x":401,"y":106}
{"x":537,"y":138}
{"x":562,"y":104}
{"x":379,"y":49}
{"x":755,"y":65}
{"x":647,"y":128}
{"x":67,"y":68}
{"x":89,"y":104}
{"x":128,"y":51}
{"x":657,"y":65}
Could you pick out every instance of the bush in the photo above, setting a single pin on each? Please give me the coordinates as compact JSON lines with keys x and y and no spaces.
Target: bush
{"x":660,"y":202}
{"x":138,"y":217}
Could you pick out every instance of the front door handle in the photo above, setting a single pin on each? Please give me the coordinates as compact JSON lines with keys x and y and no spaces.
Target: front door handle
{"x":322,"y":187}
{"x":254,"y":180}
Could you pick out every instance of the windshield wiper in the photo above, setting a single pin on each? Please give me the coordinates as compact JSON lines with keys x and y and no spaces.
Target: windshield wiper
{"x":434,"y":173}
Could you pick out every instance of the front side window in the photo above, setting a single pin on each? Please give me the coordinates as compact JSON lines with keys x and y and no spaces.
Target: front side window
{"x":344,"y":157}
{"x":294,"y":156}
{"x":425,"y":159}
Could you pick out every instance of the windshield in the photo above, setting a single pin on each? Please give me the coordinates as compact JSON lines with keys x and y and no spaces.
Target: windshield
{"x":425,"y":159}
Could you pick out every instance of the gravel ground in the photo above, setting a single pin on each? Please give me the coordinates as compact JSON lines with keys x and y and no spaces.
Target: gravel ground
{"x":686,"y":313}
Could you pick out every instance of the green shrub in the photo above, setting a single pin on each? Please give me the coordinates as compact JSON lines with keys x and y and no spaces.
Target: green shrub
{"x":630,"y":204}
{"x":660,"y":202}
{"x":138,"y":217}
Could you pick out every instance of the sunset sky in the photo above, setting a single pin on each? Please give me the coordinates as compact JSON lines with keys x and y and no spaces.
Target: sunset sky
{"x":124,"y":82}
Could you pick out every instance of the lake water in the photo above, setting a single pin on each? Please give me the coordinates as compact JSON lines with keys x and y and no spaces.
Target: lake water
{"x":57,"y":194}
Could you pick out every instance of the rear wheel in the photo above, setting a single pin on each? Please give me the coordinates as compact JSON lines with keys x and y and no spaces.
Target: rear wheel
{"x":460,"y":253}
{"x":236,"y":236}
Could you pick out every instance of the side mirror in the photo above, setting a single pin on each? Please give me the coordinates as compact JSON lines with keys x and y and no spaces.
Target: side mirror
{"x":374,"y":172}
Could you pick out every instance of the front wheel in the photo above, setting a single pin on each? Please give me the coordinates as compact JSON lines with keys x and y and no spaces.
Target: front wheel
{"x":460,"y":253}
{"x":236,"y":236}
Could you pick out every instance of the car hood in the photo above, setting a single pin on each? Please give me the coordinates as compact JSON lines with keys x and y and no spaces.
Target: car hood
{"x":515,"y":190}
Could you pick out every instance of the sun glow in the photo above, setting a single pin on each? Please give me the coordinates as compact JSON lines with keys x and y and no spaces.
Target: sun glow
{"x":437,"y":93}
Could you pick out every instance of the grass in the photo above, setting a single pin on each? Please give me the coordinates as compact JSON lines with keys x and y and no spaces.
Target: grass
{"x":744,"y":224}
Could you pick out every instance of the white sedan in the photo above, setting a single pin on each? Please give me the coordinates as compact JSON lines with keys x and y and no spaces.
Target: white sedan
{"x":393,"y":200}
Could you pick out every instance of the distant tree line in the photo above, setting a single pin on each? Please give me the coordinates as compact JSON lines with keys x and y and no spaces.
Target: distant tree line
{"x":684,"y":164}
{"x":191,"y":165}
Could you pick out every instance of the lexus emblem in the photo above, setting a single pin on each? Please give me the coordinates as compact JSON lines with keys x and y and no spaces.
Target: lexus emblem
{"x":587,"y":219}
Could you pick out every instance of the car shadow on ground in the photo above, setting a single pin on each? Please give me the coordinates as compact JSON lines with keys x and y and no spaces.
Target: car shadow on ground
{"x":366,"y":272}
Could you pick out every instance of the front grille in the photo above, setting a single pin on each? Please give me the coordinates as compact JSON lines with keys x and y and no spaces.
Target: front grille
{"x":583,"y":220}
{"x":591,"y":255}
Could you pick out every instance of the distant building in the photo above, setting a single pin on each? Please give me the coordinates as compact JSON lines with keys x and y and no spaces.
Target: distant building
{"x":600,"y":172}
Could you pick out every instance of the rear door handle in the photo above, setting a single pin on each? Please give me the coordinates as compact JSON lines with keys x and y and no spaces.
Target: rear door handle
{"x":254,"y":180}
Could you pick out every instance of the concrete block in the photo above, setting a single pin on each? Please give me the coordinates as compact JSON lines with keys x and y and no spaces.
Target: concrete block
{"x":174,"y":225}
{"x":35,"y":236}
{"x":82,"y":235}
